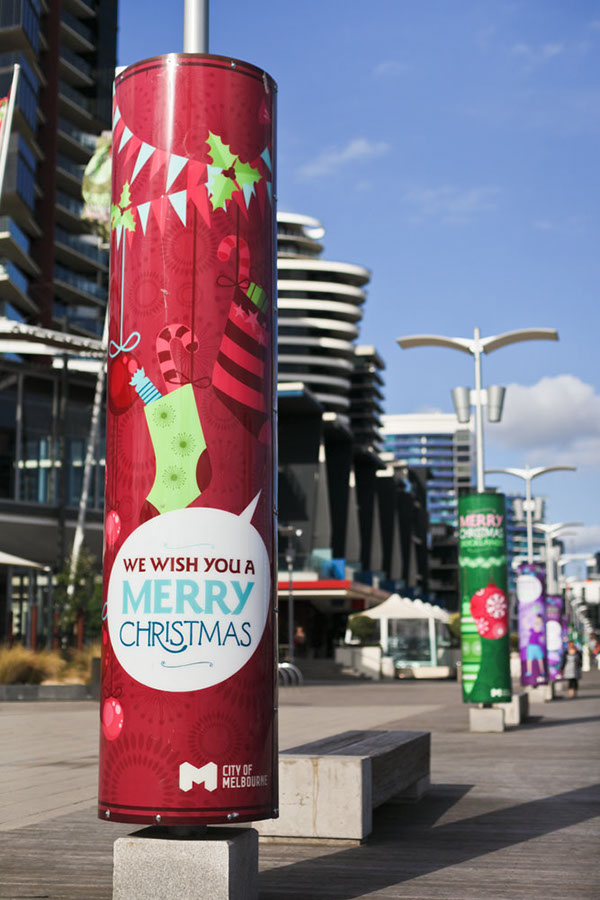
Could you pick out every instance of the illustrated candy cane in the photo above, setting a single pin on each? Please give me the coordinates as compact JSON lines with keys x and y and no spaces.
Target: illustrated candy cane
{"x":172,"y":376}
{"x":226,"y":248}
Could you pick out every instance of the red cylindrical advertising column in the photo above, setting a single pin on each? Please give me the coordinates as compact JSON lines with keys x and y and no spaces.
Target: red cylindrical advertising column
{"x":188,"y":729}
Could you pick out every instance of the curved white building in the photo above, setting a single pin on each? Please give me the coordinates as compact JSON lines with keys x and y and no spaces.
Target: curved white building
{"x":320,"y":309}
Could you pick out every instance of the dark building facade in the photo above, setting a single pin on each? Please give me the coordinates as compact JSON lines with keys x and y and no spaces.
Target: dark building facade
{"x":53,"y":274}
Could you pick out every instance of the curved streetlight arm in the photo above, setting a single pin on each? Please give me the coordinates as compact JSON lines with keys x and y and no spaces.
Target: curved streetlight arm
{"x":556,"y":527}
{"x":475,"y":346}
{"x":494,"y":342}
{"x":435,"y":340}
{"x":528,"y":474}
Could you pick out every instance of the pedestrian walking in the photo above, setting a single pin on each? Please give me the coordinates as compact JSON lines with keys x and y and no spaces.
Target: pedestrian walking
{"x":571,"y":667}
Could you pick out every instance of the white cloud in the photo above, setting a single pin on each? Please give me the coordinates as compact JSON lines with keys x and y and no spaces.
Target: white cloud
{"x":556,"y":421}
{"x":391,"y":68}
{"x":537,"y":56}
{"x":451,"y":204}
{"x":330,"y":160}
{"x":585,"y":539}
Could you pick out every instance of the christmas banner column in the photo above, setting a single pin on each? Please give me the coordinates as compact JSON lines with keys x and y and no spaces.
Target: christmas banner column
{"x":188,"y":734}
{"x":484,"y":605}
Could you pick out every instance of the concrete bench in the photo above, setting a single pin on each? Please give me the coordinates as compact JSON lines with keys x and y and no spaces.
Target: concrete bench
{"x":329,"y":788}
{"x":517,"y":710}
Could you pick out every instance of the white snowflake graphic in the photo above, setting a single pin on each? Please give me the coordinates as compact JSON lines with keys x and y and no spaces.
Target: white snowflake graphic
{"x":495,"y":606}
{"x":483,"y":626}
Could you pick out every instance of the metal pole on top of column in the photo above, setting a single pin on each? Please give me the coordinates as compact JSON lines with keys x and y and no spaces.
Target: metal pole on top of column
{"x":195,"y":26}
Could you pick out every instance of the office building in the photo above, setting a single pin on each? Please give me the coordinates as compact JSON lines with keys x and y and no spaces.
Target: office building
{"x":438,"y":444}
{"x":53,"y":274}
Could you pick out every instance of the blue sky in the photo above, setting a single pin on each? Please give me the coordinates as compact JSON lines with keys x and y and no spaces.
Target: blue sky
{"x":452,"y":148}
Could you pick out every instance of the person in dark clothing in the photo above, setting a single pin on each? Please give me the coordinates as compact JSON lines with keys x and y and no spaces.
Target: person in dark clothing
{"x":571,"y":668}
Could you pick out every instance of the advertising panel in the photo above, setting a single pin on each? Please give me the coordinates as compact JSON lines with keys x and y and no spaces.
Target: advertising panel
{"x":189,"y":674}
{"x":554,"y":636}
{"x":531,"y":599}
{"x":484,"y":604}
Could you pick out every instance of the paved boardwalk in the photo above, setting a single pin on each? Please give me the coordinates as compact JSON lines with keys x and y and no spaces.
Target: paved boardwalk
{"x":509,"y":816}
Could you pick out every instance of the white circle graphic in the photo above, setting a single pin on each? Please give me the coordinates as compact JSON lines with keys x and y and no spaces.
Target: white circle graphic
{"x":529,"y":588}
{"x":188,"y":598}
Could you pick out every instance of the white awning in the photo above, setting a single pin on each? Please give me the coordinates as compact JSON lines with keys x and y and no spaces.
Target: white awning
{"x":7,"y":559}
{"x":397,"y":607}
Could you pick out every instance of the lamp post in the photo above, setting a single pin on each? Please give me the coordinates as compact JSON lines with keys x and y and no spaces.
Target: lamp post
{"x":290,"y":555}
{"x":528,"y":474}
{"x":475,"y":346}
{"x":551,"y":531}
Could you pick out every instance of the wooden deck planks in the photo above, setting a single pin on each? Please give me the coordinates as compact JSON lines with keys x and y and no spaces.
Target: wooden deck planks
{"x":512,"y":816}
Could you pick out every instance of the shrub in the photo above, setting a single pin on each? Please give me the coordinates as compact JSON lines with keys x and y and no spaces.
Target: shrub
{"x":21,"y":666}
{"x":78,"y":663}
{"x":362,"y":628}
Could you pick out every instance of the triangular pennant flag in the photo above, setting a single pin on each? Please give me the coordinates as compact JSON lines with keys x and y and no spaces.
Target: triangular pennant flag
{"x":179,"y":204}
{"x":117,"y":132}
{"x":176,"y":164}
{"x":248,"y":190}
{"x":158,"y":160}
{"x":127,"y":135}
{"x":119,"y":230}
{"x":116,"y":116}
{"x":270,"y":191}
{"x":144,"y":155}
{"x":143,"y":212}
{"x":266,"y":157}
{"x":132,"y":148}
{"x":129,"y":233}
{"x":199,"y":198}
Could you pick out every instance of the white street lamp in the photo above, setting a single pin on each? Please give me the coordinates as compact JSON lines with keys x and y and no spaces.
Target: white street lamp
{"x":528,"y":474}
{"x":475,"y":346}
{"x":551,"y":531}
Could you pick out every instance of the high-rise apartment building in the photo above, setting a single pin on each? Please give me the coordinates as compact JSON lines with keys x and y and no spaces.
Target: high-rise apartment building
{"x":320,"y":308}
{"x":438,"y":442}
{"x":54,"y":274}
{"x":444,"y":449}
{"x":52,"y":270}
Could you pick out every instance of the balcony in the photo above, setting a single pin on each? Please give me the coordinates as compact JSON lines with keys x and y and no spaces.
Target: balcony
{"x":84,"y":8}
{"x":14,"y":246}
{"x":77,"y":251}
{"x":74,"y":141}
{"x":69,"y":211}
{"x":74,"y":288}
{"x":14,"y":287}
{"x":69,"y":174}
{"x":20,"y":26}
{"x":73,"y":104}
{"x":74,"y":68}
{"x":74,"y":33}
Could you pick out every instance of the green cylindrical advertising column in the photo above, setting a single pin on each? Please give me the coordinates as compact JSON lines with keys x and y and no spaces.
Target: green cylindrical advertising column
{"x":484,"y":604}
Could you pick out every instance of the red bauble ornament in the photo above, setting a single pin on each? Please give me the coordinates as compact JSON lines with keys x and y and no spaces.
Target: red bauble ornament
{"x":112,"y":527}
{"x":121,"y":394}
{"x":489,"y":609}
{"x":112,"y":718}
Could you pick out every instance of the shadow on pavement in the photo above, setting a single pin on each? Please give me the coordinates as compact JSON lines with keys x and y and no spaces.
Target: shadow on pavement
{"x":407,"y":845}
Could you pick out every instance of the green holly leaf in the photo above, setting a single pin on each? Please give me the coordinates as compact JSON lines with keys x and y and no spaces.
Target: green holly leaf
{"x":127,"y":220}
{"x":115,"y":215}
{"x":220,"y":153}
{"x":245,"y":174}
{"x":220,"y":190}
{"x":125,"y":196}
{"x":119,"y":214}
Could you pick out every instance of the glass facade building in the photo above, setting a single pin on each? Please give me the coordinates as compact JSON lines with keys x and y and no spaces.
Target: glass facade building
{"x":439,"y":443}
{"x":53,"y":274}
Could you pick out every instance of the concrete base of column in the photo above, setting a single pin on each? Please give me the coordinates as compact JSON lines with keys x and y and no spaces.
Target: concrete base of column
{"x":174,"y":863}
{"x":486,"y":719}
